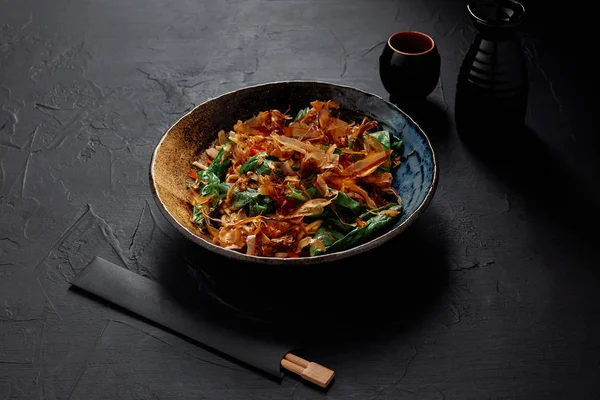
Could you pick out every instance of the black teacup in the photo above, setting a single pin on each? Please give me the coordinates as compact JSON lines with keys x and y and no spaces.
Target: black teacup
{"x":409,"y":66}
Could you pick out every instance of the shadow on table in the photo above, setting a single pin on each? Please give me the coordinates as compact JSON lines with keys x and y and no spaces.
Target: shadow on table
{"x":374,"y":294}
{"x":429,"y":113}
{"x":533,"y":171}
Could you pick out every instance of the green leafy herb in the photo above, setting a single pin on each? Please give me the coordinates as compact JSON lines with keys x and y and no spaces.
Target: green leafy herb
{"x":258,"y":163}
{"x":207,"y":178}
{"x":382,"y":137}
{"x":313,"y":192}
{"x":396,"y":144}
{"x":198,"y":217}
{"x":240,"y":199}
{"x":296,"y":194}
{"x":209,"y":182}
{"x":328,"y":233}
{"x":218,"y":166}
{"x":250,"y":165}
{"x":389,"y":142}
{"x":375,"y":224}
{"x":347,"y":202}
{"x":215,"y":189}
{"x":254,"y":202}
{"x":301,"y":114}
{"x":336,"y":237}
{"x":263,"y":205}
{"x":218,"y":191}
{"x":263,"y":169}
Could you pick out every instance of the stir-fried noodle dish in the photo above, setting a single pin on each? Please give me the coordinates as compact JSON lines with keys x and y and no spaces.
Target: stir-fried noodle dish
{"x":282,"y":186}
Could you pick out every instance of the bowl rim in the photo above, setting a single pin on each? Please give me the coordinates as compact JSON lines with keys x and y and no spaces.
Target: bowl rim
{"x":302,"y":261}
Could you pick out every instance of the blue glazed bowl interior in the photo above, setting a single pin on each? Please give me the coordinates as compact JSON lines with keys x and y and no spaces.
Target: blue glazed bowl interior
{"x":415,"y":176}
{"x":415,"y":180}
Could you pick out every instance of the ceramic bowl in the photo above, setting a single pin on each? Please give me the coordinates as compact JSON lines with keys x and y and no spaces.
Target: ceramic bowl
{"x":415,"y":180}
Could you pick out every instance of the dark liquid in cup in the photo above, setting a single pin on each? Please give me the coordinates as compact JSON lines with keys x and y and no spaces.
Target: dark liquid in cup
{"x":411,"y":43}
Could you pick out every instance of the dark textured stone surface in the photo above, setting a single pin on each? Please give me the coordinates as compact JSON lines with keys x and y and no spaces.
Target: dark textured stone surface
{"x":504,"y":304}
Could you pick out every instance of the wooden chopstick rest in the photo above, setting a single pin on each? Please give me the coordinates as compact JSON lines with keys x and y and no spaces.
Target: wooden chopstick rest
{"x":312,"y":372}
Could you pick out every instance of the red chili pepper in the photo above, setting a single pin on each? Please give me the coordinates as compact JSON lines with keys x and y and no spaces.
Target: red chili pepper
{"x":193,"y":174}
{"x":346,"y":160}
{"x":255,"y":150}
